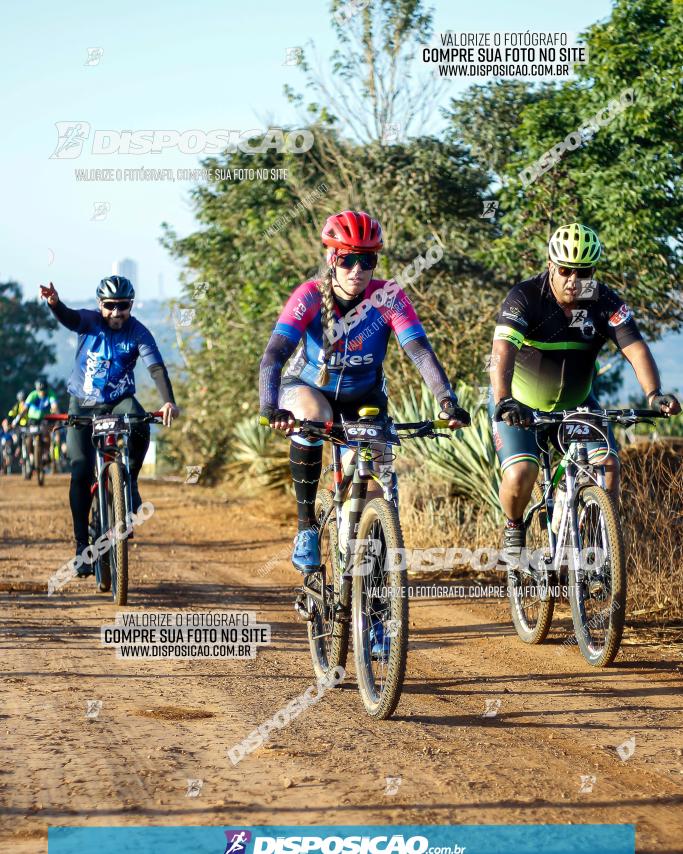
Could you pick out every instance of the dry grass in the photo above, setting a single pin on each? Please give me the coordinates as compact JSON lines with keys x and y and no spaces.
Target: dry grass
{"x":431,"y":517}
{"x":652,"y":517}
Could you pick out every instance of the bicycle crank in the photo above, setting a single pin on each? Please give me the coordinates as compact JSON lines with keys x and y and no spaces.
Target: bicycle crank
{"x":301,"y":609}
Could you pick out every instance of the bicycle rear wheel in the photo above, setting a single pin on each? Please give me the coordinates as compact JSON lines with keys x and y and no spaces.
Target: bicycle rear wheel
{"x":328,"y":638}
{"x":531,"y":602}
{"x":380,"y":609}
{"x":597,"y":588}
{"x":118,"y":553}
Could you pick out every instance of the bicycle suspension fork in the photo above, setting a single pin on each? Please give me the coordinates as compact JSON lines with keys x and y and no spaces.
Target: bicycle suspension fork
{"x":356,"y":498}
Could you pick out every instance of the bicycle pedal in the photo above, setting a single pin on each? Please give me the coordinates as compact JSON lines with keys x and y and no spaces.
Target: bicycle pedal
{"x":301,"y":609}
{"x":341,"y":614}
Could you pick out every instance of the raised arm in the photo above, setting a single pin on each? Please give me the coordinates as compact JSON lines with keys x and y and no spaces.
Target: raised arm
{"x":68,"y":317}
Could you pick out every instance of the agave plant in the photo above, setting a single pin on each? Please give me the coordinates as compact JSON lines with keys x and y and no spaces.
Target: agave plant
{"x":468,"y":460}
{"x":259,"y":454}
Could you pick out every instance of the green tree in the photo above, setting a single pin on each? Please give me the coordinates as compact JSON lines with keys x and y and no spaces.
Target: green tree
{"x":624,"y":179}
{"x":25,"y":350}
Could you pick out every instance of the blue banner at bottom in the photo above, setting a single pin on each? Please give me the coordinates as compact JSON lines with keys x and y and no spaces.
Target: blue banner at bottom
{"x":355,"y":839}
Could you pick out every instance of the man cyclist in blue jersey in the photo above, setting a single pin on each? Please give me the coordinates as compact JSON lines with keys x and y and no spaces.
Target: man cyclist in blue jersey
{"x":102,"y":381}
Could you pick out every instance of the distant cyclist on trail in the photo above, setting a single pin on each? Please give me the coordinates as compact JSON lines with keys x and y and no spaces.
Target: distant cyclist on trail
{"x":39,"y":402}
{"x":549,"y":333}
{"x":338,"y":367}
{"x":102,"y":381}
{"x":17,"y":413}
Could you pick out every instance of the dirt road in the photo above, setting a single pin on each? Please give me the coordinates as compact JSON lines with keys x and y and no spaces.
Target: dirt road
{"x":548,"y":755}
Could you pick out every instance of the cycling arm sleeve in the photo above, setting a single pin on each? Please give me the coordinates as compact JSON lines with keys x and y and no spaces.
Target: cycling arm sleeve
{"x":68,"y":317}
{"x":422,"y":356}
{"x":162,"y":381}
{"x":279,"y":349}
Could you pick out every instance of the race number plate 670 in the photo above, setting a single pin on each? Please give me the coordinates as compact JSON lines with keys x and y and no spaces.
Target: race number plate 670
{"x":369,"y":432}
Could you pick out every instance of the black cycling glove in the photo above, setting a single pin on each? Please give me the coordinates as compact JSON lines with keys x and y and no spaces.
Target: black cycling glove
{"x":273,"y":414}
{"x":658,"y":400}
{"x":513,"y":413}
{"x":450,"y":409}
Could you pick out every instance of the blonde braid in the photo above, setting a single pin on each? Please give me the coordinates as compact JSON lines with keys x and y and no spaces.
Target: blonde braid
{"x":327,"y":317}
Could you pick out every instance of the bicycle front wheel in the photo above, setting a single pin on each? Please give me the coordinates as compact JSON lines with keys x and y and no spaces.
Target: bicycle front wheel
{"x":116,"y":512}
{"x":597,"y":586}
{"x":38,"y":460}
{"x":380,"y":608}
{"x":328,"y":637}
{"x":531,"y":602}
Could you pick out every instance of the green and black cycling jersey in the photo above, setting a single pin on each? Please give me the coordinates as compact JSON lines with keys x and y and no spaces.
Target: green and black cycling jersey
{"x":555,"y":365}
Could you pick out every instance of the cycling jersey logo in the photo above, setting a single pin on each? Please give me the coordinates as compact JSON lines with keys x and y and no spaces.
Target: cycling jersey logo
{"x":96,"y":368}
{"x":338,"y":360}
{"x":299,"y":310}
{"x":622,"y":315}
{"x":118,"y":389}
{"x":237,"y":841}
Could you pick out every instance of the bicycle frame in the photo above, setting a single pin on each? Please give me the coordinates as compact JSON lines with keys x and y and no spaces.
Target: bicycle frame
{"x":107,"y":452}
{"x":574,"y":461}
{"x":350,"y":484}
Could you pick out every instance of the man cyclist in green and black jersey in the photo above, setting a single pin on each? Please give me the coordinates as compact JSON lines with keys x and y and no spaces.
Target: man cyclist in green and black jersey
{"x":549,"y":332}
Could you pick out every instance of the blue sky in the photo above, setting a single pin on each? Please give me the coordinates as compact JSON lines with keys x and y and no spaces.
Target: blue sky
{"x":167,"y":65}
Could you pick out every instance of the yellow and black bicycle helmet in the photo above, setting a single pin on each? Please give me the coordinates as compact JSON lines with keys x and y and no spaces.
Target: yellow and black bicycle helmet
{"x":575,"y":245}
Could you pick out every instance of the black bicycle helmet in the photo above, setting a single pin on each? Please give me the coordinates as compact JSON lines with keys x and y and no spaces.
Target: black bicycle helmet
{"x":115,"y":287}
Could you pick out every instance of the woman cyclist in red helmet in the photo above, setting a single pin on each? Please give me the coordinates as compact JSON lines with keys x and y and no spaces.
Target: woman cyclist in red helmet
{"x":338,"y":366}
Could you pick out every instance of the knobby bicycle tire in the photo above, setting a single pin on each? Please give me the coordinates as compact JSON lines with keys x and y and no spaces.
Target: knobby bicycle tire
{"x":380,"y":516}
{"x":118,"y":554}
{"x":327,"y":652}
{"x":604,"y":655}
{"x":38,"y":459}
{"x":531,"y":628}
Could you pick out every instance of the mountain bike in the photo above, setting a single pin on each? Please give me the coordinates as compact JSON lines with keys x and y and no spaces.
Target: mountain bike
{"x":112,"y":502}
{"x":38,"y":443}
{"x":26,"y":454}
{"x":573,"y":521}
{"x":362,"y":584}
{"x":57,"y":461}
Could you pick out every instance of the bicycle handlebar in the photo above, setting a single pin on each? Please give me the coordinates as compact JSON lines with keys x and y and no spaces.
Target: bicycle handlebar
{"x":323,"y":429}
{"x":72,"y":419}
{"x":606,"y":414}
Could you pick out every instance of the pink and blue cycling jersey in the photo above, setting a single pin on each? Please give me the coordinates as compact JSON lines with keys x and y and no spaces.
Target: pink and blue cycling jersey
{"x":362,"y":336}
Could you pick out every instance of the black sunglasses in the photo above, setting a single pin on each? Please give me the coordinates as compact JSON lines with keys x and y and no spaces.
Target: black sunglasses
{"x":581,"y":272}
{"x":123,"y":304}
{"x":367,"y":260}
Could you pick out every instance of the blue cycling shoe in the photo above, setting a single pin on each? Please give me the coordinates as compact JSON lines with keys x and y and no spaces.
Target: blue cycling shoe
{"x":306,"y":556}
{"x":379,"y":640}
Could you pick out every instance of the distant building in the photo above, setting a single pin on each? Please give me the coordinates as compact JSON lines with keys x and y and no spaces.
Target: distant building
{"x":128,"y":268}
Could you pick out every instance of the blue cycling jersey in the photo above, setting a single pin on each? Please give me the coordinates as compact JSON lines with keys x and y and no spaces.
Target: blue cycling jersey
{"x":105,"y":357}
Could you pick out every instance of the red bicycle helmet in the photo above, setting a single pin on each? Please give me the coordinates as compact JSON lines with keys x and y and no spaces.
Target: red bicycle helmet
{"x":352,"y":231}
